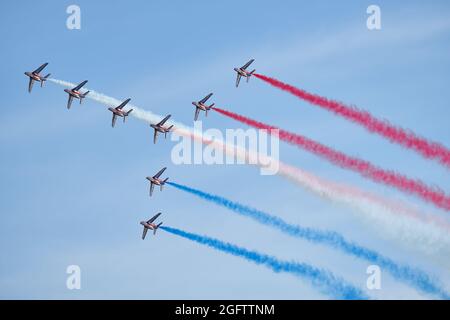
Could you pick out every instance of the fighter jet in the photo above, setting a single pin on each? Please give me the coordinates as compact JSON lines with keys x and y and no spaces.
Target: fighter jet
{"x":241,"y":72}
{"x":74,"y":93}
{"x":118,"y":112}
{"x":159,"y":127}
{"x":200,"y":105}
{"x":155,"y":180}
{"x":35,"y":76}
{"x":150,"y":225}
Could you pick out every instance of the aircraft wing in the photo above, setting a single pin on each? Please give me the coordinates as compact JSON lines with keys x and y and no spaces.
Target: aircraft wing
{"x":152,"y":186}
{"x":123,"y":104}
{"x":114,"y":118}
{"x":245,"y":66}
{"x":154,"y":217}
{"x":69,"y":102}
{"x":163,"y":120}
{"x":238,"y":79}
{"x":78,"y":87}
{"x":30,"y":84}
{"x":144,"y":233}
{"x":197,"y":110}
{"x":205,"y":98}
{"x":154,"y":136}
{"x":40,"y":68}
{"x":159,"y":172}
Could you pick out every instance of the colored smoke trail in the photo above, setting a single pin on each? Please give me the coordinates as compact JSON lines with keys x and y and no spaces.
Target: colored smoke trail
{"x":406,"y":138}
{"x":391,"y":219}
{"x":324,"y":280}
{"x":417,"y":278}
{"x":365,"y":168}
{"x":397,"y":221}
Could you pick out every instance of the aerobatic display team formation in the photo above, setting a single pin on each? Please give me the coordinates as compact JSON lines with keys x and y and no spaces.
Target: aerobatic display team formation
{"x":427,"y":233}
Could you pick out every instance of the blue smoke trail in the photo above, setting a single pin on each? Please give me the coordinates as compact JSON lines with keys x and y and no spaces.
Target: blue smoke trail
{"x":417,"y":278}
{"x":325,"y":280}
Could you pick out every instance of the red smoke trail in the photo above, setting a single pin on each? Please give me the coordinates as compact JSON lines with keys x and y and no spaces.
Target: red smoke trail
{"x":365,"y":168}
{"x":401,"y":136}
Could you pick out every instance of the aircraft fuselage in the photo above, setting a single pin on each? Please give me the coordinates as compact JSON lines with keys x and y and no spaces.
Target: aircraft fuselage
{"x":156,"y":181}
{"x":242,"y":72}
{"x":150,"y":226}
{"x":73,"y":93}
{"x":34,"y":76}
{"x":159,"y":128}
{"x":119,"y":113}
{"x":200,"y":105}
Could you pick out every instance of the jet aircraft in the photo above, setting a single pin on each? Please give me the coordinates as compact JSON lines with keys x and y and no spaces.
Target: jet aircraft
{"x":200,"y":105}
{"x":118,"y":112}
{"x":150,"y":225}
{"x":35,"y":76}
{"x":75,"y":93}
{"x":155,"y":180}
{"x":242,"y":72}
{"x":159,"y":127}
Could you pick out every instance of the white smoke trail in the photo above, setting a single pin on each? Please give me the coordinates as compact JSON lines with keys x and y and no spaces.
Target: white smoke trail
{"x":394,"y":220}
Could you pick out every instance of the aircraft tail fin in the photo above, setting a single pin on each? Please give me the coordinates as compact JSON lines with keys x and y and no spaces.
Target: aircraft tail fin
{"x":83,"y":96}
{"x":208,"y":108}
{"x":163,"y":183}
{"x":43,"y":79}
{"x":250,"y":74}
{"x":168,"y":130}
{"x":127,"y":114}
{"x":156,"y":228}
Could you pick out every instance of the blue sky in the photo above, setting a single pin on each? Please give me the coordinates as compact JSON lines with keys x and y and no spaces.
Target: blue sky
{"x":73,"y":190}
